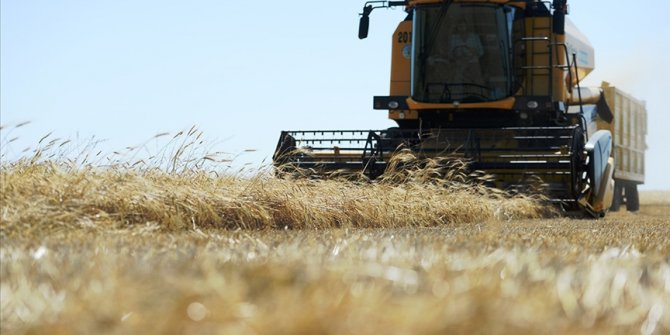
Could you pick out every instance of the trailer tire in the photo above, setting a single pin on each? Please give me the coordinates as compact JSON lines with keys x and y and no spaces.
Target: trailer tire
{"x":632,"y":198}
{"x":617,"y":198}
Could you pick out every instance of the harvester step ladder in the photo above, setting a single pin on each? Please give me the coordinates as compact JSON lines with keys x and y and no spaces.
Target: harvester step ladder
{"x":538,"y":58}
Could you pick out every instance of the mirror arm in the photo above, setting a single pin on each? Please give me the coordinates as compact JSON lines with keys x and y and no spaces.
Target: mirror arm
{"x":383,"y":4}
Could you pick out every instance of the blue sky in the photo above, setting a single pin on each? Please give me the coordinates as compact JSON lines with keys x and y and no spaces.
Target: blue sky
{"x":126,"y":70}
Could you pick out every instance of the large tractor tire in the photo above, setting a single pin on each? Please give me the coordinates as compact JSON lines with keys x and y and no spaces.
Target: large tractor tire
{"x":617,"y":199}
{"x":632,"y":198}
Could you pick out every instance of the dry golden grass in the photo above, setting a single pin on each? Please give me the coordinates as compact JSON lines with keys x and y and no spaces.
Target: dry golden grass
{"x":122,"y":249}
{"x":39,"y":198}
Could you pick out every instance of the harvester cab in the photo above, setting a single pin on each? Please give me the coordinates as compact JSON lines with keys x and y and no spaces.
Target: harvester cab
{"x":493,"y":82}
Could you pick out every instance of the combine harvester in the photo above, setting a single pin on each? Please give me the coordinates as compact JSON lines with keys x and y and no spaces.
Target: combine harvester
{"x":497,"y":83}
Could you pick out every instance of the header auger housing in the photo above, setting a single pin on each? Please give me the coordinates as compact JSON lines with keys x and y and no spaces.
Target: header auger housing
{"x":497,"y":84}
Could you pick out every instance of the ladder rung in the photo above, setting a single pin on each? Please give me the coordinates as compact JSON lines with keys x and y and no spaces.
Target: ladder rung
{"x":535,"y":39}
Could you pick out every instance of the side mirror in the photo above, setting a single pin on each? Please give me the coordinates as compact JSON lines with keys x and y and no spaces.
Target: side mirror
{"x":364,"y":25}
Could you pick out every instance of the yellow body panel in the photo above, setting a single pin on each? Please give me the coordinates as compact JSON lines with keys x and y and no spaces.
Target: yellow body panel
{"x":403,"y":115}
{"x":401,"y":59}
{"x":401,"y":69}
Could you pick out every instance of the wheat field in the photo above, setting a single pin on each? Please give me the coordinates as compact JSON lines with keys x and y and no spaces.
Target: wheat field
{"x":180,"y":249}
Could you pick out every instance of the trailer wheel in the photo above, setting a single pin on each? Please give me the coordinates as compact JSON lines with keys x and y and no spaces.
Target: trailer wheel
{"x":632,"y":198}
{"x":617,"y":197}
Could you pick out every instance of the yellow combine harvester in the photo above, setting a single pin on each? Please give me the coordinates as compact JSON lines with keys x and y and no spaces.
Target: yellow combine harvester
{"x":497,"y":83}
